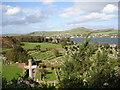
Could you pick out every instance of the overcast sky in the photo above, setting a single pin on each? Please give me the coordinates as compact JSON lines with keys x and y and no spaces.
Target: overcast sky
{"x":25,"y":17}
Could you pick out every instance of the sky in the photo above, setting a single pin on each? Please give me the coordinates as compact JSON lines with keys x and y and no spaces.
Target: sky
{"x":26,"y":17}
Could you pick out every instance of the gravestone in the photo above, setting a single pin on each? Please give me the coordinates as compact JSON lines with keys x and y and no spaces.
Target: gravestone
{"x":31,"y":68}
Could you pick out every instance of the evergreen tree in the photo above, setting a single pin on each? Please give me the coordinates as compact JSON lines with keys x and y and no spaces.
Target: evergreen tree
{"x":88,"y":67}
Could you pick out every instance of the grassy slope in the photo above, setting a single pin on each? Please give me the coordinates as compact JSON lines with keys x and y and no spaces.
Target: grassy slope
{"x":76,"y":31}
{"x":107,"y":31}
{"x":43,"y":55}
{"x":43,"y":45}
{"x":11,"y":72}
{"x":79,"y":31}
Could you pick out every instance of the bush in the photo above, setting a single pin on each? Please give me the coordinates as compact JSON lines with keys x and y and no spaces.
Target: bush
{"x":56,"y":52}
{"x":17,"y":54}
{"x":37,"y":47}
{"x":63,"y":44}
{"x":106,"y":45}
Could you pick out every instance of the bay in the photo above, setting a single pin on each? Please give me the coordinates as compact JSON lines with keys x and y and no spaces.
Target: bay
{"x":100,"y":40}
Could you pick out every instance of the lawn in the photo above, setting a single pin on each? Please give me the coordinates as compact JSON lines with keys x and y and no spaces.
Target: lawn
{"x":43,"y":55}
{"x":28,"y":45}
{"x":11,"y":72}
{"x":50,"y":75}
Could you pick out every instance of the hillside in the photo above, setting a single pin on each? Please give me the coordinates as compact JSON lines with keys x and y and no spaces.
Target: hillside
{"x":76,"y":31}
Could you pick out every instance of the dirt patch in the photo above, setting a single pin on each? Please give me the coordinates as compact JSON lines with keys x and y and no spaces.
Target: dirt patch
{"x":20,"y":65}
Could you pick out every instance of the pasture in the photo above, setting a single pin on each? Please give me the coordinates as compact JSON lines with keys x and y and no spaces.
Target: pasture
{"x":28,"y":45}
{"x":10,"y":72}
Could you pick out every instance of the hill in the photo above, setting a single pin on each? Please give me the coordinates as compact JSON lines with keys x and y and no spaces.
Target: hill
{"x":107,"y":31}
{"x":76,"y":31}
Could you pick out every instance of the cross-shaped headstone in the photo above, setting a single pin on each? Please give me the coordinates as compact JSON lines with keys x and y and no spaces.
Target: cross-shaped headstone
{"x":30,"y":67}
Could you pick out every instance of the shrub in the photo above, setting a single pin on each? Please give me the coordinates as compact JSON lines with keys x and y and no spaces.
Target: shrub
{"x":106,"y":45}
{"x":17,"y":54}
{"x":37,"y":47}
{"x":56,"y":52}
{"x":63,"y":44}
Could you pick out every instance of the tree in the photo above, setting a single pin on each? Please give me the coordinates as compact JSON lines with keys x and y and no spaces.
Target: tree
{"x":17,"y":54}
{"x":87,"y":67}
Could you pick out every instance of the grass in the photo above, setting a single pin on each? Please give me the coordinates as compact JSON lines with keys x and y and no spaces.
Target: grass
{"x":47,"y":55}
{"x":43,"y":55}
{"x":50,"y":75}
{"x":28,"y":45}
{"x":6,"y":49}
{"x":10,"y":72}
{"x":60,"y":59}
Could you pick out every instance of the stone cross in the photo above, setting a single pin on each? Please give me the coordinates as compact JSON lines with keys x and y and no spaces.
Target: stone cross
{"x":30,"y":67}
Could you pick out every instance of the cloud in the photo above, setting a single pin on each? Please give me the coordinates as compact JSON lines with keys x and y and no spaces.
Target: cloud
{"x":37,"y":18}
{"x":80,"y":8}
{"x":45,"y":28}
{"x":48,"y":1}
{"x":110,"y":8}
{"x":71,"y":12}
{"x":73,"y":24}
{"x":12,"y":10}
{"x":95,"y":0}
{"x":98,"y":17}
{"x":93,"y":17}
{"x":101,"y":26}
{"x":99,"y":14}
{"x":16,"y":16}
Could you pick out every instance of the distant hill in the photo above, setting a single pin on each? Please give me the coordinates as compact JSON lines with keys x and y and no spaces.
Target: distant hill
{"x":107,"y":31}
{"x":11,"y":34}
{"x":76,"y":31}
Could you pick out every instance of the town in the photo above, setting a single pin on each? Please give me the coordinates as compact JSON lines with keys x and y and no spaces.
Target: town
{"x":80,"y":36}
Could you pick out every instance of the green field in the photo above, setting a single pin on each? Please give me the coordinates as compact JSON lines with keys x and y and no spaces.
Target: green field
{"x":50,"y":75}
{"x":11,"y":72}
{"x":43,"y":55}
{"x":76,"y":31}
{"x":46,"y":55}
{"x":28,"y":45}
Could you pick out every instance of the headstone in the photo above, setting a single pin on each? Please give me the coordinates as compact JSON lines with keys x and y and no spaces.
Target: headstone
{"x":31,"y":68}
